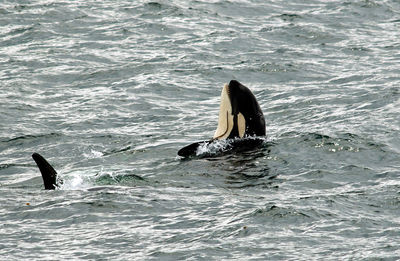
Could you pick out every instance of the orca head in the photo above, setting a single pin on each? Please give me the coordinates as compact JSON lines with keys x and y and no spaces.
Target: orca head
{"x":240,"y":114}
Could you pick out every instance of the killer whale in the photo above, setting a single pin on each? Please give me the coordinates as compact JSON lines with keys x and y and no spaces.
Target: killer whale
{"x":52,"y":181}
{"x":49,"y":174}
{"x":240,"y":120}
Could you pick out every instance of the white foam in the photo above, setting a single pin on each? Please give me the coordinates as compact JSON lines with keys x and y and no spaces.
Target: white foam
{"x":93,"y":154}
{"x":75,"y":181}
{"x":212,"y":148}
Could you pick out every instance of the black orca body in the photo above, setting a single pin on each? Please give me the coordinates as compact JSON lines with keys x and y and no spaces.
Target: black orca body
{"x":49,"y":174}
{"x":240,"y":120}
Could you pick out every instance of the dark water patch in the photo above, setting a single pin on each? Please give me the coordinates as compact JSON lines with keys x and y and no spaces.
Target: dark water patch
{"x":259,"y":178}
{"x":20,"y":36}
{"x":234,"y":170}
{"x":127,"y":149}
{"x":27,"y":184}
{"x":390,"y":174}
{"x":29,"y":141}
{"x":59,"y":214}
{"x":121,"y":179}
{"x":282,"y":215}
{"x":159,"y":10}
{"x":6,"y":166}
{"x":342,"y":142}
{"x":289,"y":17}
{"x":349,"y":79}
{"x":14,"y":165}
{"x":4,"y":11}
{"x":16,"y":31}
{"x":30,"y":137}
{"x":154,"y":5}
{"x":275,"y":68}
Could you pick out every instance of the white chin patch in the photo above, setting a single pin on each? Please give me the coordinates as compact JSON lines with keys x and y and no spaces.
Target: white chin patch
{"x":225,"y":118}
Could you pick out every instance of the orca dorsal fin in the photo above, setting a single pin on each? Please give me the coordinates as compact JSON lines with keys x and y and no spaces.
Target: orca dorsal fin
{"x":49,"y":174}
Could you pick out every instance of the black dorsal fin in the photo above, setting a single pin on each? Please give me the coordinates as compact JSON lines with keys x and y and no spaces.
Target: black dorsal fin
{"x":49,"y":174}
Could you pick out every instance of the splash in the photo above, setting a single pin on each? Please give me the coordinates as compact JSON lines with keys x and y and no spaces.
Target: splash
{"x":75,"y":181}
{"x":220,"y":146}
{"x":213,"y":148}
{"x":93,"y":154}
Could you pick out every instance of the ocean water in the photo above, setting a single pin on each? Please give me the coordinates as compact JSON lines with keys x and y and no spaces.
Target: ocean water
{"x":109,"y":91}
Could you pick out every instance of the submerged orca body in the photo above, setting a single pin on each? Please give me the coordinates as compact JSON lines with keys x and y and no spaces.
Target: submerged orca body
{"x":240,"y":120}
{"x":49,"y":174}
{"x":241,"y":124}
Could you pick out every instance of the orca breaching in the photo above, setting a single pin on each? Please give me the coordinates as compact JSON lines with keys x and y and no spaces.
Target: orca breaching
{"x":241,"y":122}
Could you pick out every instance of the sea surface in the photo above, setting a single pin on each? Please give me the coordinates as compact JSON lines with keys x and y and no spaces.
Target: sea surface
{"x":109,"y":91}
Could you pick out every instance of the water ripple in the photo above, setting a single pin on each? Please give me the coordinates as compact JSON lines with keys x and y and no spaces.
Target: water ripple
{"x":109,"y":91}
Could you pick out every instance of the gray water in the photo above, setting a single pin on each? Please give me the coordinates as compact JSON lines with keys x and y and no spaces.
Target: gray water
{"x":109,"y":91}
